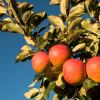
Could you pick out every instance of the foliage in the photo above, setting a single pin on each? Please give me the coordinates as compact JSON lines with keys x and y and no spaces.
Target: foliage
{"x":70,"y":27}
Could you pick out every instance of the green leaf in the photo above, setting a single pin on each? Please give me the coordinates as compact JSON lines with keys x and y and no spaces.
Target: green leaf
{"x":92,"y":27}
{"x":56,"y":21}
{"x":89,"y":6}
{"x":76,"y":11}
{"x":74,"y":24}
{"x":55,"y":2}
{"x":37,"y":78}
{"x":13,"y":27}
{"x":74,"y":35}
{"x":34,"y":20}
{"x":88,"y":84}
{"x":13,"y":8}
{"x":50,"y":87}
{"x":2,"y":23}
{"x":25,"y":53}
{"x":27,"y":15}
{"x":64,"y":7}
{"x":7,"y":19}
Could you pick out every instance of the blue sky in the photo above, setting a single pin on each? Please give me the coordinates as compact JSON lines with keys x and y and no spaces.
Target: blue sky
{"x":15,"y":78}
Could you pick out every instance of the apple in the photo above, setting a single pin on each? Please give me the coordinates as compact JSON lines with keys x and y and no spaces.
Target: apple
{"x":58,"y":54}
{"x":74,"y":71}
{"x":93,"y":68}
{"x":40,"y":61}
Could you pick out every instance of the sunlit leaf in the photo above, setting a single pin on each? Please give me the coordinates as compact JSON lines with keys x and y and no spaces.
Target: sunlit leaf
{"x":56,"y":97}
{"x":59,"y":81}
{"x":35,"y":19}
{"x":37,"y":78}
{"x":64,"y":6}
{"x":55,"y":2}
{"x":13,"y":27}
{"x":13,"y":8}
{"x":29,"y":40}
{"x":40,"y":94}
{"x":7,"y":19}
{"x":31,"y":93}
{"x":2,"y":10}
{"x":45,"y":36}
{"x":56,"y":21}
{"x":25,"y":53}
{"x":24,"y":5}
{"x":92,"y":27}
{"x":88,"y":4}
{"x":76,"y":11}
{"x":74,"y":35}
{"x":74,"y":24}
{"x":79,"y":47}
{"x":27,"y":15}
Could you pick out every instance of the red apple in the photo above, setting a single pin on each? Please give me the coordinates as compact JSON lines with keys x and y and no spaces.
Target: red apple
{"x":74,"y":71}
{"x":40,"y":61}
{"x":93,"y":68}
{"x":58,"y":54}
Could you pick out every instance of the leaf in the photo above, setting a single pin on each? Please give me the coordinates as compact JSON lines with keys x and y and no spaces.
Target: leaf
{"x":79,"y":47}
{"x":88,"y":84}
{"x":50,"y":87}
{"x":24,"y":5}
{"x":60,"y":82}
{"x":56,"y":97}
{"x":92,"y":27}
{"x":36,"y":79}
{"x":2,"y":23}
{"x":74,"y":35}
{"x":64,"y":7}
{"x":7,"y":19}
{"x":45,"y":36}
{"x":29,"y":40}
{"x":74,"y":24}
{"x":13,"y":27}
{"x":55,"y":2}
{"x":27,"y":15}
{"x":25,"y":53}
{"x":40,"y":95}
{"x":13,"y":8}
{"x":56,"y":21}
{"x":35,"y":19}
{"x":31,"y":93}
{"x":2,"y":10}
{"x":76,"y":11}
{"x":89,"y":6}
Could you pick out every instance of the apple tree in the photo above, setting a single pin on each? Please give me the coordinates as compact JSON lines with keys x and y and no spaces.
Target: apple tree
{"x":77,"y":27}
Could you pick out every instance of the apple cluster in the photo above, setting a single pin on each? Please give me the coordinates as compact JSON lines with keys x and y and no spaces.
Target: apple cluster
{"x":74,"y":70}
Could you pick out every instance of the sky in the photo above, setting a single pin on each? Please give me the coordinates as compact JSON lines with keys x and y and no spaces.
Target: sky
{"x":15,"y":78}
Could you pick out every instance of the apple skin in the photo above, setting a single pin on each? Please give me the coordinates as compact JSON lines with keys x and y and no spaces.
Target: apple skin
{"x":74,"y":72}
{"x":93,"y":68}
{"x":58,"y":54}
{"x":40,"y":61}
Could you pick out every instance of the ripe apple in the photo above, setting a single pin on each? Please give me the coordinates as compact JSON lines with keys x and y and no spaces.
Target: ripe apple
{"x":40,"y":61}
{"x":74,"y":71}
{"x":58,"y":54}
{"x":93,"y":68}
